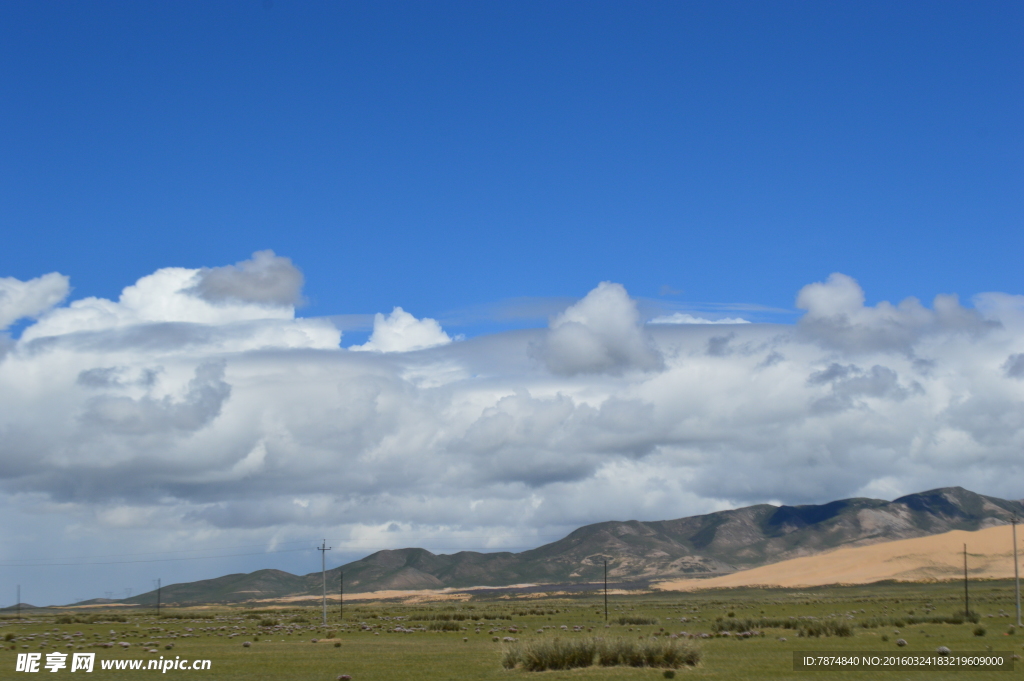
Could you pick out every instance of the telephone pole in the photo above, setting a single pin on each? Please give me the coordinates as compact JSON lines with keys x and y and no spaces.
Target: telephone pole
{"x":1016,"y":570}
{"x":967,"y":599}
{"x":341,"y":594}
{"x":158,"y":597}
{"x":19,"y":602}
{"x":323,"y":573}
{"x":606,"y":591}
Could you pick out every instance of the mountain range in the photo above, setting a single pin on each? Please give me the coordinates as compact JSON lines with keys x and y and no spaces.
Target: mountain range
{"x":698,"y":546}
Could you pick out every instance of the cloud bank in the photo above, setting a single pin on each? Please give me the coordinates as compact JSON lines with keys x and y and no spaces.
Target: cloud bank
{"x":198,"y":404}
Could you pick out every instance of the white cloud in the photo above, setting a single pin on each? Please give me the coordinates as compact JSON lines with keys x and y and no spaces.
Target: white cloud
{"x":836,"y":316}
{"x":164,"y":310}
{"x":21,"y":299}
{"x":206,"y":419}
{"x":401,"y":332}
{"x":601,"y":333}
{"x":683,"y":318}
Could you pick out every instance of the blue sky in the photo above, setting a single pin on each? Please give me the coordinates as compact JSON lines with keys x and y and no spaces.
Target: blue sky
{"x":211,"y":213}
{"x":441,"y":156}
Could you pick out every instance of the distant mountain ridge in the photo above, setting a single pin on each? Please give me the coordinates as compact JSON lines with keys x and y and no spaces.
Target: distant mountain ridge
{"x":705,"y":545}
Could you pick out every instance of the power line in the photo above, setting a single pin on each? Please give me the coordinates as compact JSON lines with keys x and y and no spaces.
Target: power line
{"x":155,"y":560}
{"x":156,"y":553}
{"x":347,"y":546}
{"x":487,"y":549}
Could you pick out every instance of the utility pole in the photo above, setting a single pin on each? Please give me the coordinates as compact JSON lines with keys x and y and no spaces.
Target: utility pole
{"x":158,"y":597}
{"x":967,"y":600}
{"x":341,"y":594}
{"x":323,"y":573}
{"x":1016,"y":570}
{"x":19,"y":602}
{"x":606,"y":591}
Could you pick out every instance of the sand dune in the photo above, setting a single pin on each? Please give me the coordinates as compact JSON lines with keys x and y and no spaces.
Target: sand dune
{"x":939,"y":557}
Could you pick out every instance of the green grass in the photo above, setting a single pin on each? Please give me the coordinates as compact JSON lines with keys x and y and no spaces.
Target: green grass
{"x":744,"y":646}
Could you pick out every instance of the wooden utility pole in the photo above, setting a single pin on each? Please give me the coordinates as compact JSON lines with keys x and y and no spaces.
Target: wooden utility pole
{"x":967,"y":599}
{"x":323,"y":573}
{"x":341,"y":594}
{"x":606,"y":591}
{"x":1016,"y":571}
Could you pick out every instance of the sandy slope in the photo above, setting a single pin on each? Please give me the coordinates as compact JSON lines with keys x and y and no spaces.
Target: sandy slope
{"x":939,"y":557}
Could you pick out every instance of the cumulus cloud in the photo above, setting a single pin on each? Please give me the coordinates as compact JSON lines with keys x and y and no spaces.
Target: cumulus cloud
{"x":265,"y":279}
{"x":601,"y":333}
{"x":162,"y":310}
{"x":163,"y":410}
{"x":21,"y":299}
{"x":401,"y":332}
{"x":683,"y":318}
{"x":836,"y":316}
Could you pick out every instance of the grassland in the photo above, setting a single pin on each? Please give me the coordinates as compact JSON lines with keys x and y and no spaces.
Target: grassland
{"x":393,"y":641}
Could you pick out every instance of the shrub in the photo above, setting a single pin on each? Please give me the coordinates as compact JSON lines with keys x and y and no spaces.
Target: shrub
{"x":267,"y":622}
{"x":817,"y":629}
{"x":555,"y":653}
{"x":90,"y":619}
{"x":458,"y":617}
{"x":638,"y":620}
{"x":558,"y":653}
{"x":444,"y":626}
{"x":979,"y":631}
